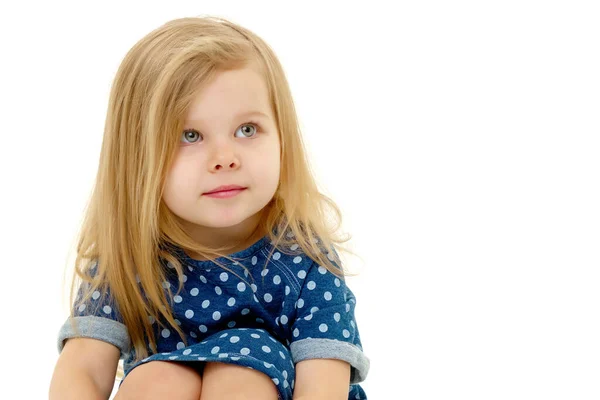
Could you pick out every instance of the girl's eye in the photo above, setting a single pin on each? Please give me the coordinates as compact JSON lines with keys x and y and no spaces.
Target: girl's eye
{"x":248,"y":130}
{"x":190,"y":134}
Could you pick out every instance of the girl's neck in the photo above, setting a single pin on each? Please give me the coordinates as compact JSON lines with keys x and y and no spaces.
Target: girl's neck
{"x":240,"y":236}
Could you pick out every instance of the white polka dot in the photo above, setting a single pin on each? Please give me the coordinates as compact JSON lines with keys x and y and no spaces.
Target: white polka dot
{"x":201,"y":358}
{"x":337,"y":282}
{"x":224,"y":335}
{"x":194,"y":292}
{"x":245,"y":311}
{"x":151,"y":319}
{"x":165,"y":333}
{"x":346,"y":333}
{"x":254,"y":259}
{"x":268,"y":297}
{"x":241,"y":286}
{"x":235,"y":358}
{"x":190,"y":268}
{"x":203,"y":328}
{"x":231,"y":324}
{"x":308,"y":317}
{"x":216,"y":315}
{"x":294,"y":246}
{"x":336,"y":316}
{"x":277,"y":321}
{"x":352,"y":324}
{"x":183,"y":278}
{"x":322,"y":270}
{"x":314,"y":309}
{"x":234,"y":339}
{"x":284,"y":319}
{"x":323,"y":327}
{"x":255,"y":298}
{"x":287,"y":290}
{"x":223,"y":355}
{"x":282,"y":355}
{"x":277,"y":256}
{"x":189,"y":314}
{"x":275,"y":381}
{"x":300,"y":303}
{"x":264,"y":272}
{"x":266,"y":349}
{"x":347,"y":307}
{"x":245,"y":351}
{"x":177,"y":299}
{"x":311,"y":285}
{"x":106,"y":309}
{"x":166,"y":285}
{"x":297,"y":260}
{"x":277,"y":279}
{"x":173,"y":358}
{"x":285,"y":384}
{"x":254,"y":288}
{"x":255,"y":335}
{"x":215,"y":350}
{"x":178,"y":322}
{"x":296,"y":332}
{"x":205,"y":303}
{"x":218,"y":290}
{"x":267,"y":364}
{"x":193,"y":334}
{"x":180,"y":345}
{"x":223,"y":276}
{"x":187,"y":351}
{"x":203,"y":279}
{"x":95,"y":295}
{"x":327,"y":296}
{"x":302,"y":274}
{"x":81,"y":307}
{"x":231,"y":302}
{"x":260,"y":320}
{"x":285,"y":374}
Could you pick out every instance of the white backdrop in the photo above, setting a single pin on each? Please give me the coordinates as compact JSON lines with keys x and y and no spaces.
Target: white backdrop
{"x":460,"y":139}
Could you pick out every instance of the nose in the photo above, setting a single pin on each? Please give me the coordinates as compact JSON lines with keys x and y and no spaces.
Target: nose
{"x":223,"y":159}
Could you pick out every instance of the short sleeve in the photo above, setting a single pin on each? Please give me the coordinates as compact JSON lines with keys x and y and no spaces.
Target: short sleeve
{"x":97,"y":318}
{"x":325,"y":324}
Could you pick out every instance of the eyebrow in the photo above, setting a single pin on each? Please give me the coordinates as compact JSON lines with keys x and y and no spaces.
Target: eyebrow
{"x":240,"y":115}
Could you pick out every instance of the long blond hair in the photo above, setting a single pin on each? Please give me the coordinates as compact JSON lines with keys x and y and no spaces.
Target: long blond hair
{"x":127,"y":227}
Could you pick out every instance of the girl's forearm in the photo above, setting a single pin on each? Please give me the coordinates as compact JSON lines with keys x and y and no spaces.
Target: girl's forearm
{"x":73,"y":384}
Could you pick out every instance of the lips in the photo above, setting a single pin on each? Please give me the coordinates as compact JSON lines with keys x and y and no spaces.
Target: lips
{"x":225,"y":188}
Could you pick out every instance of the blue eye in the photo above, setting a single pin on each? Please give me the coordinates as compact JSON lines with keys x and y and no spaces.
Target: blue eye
{"x":190,"y":133}
{"x":245,"y":132}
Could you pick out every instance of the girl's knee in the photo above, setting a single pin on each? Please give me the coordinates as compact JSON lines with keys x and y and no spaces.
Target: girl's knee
{"x":160,"y":380}
{"x":226,"y":381}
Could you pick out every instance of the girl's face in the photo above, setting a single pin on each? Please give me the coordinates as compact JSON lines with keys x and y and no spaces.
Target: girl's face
{"x":229,"y":138}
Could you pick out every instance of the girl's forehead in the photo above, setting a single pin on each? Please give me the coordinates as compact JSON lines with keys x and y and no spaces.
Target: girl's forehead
{"x":234,"y":93}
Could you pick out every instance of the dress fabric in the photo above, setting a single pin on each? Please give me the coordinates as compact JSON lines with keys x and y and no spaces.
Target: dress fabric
{"x":281,"y":313}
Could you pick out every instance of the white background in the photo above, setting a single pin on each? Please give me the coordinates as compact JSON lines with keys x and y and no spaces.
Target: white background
{"x":460,"y":139}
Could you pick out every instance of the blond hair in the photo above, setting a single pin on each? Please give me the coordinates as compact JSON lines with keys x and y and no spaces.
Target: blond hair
{"x":127,"y":227}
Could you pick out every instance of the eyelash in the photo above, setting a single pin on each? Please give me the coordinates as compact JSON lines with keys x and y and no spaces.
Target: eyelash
{"x":256,"y":125}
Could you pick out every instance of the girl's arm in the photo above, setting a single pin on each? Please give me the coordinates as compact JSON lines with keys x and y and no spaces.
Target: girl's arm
{"x":86,"y":369}
{"x":322,"y":379}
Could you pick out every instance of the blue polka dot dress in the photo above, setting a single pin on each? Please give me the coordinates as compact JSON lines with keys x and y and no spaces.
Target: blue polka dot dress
{"x":291,"y":310}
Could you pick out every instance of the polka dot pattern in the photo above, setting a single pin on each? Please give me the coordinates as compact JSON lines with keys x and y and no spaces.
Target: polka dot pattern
{"x":250,"y":321}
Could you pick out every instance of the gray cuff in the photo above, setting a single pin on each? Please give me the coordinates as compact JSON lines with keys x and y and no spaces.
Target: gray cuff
{"x":307,"y":349}
{"x":90,"y":326}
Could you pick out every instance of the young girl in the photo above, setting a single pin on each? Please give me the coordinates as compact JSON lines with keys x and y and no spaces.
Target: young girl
{"x":206,"y":260}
